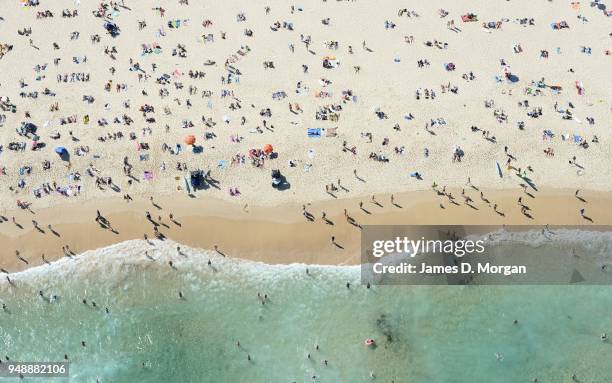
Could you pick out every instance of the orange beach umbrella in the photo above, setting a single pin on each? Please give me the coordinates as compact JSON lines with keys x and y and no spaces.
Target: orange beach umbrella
{"x":190,"y":140}
{"x":268,"y":148}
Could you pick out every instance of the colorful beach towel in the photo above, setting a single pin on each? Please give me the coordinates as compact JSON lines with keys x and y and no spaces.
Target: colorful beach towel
{"x":314,"y":132}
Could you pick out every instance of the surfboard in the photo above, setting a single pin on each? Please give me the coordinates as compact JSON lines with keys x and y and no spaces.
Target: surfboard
{"x":187,"y":185}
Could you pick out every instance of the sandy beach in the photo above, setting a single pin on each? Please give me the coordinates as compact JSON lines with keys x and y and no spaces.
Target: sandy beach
{"x":117,"y":99}
{"x":136,"y":103}
{"x":278,"y":234}
{"x":185,"y":187}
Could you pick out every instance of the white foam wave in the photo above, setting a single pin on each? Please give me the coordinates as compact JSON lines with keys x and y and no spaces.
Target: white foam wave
{"x":118,"y":260}
{"x":559,"y":236}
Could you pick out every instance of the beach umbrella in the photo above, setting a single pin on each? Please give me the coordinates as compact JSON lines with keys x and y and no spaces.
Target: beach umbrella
{"x":63,"y":153}
{"x":189,"y":140}
{"x":268,"y":148}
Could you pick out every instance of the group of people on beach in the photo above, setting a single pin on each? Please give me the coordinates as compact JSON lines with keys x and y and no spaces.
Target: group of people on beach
{"x":171,"y":82}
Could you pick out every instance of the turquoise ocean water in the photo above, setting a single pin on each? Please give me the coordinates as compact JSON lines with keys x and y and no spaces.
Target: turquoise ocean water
{"x":423,"y":333}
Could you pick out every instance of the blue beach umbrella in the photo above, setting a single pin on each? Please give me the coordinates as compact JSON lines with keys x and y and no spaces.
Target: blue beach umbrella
{"x":63,"y":153}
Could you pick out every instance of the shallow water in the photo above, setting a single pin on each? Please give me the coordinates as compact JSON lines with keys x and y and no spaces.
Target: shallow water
{"x":423,"y":333}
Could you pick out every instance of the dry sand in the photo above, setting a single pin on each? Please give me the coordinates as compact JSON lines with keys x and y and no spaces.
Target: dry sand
{"x":381,"y":83}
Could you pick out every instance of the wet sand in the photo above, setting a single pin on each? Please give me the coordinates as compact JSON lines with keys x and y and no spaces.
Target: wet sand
{"x":277,"y":234}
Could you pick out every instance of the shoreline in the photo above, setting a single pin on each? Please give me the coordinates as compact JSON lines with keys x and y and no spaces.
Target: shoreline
{"x":280,"y":234}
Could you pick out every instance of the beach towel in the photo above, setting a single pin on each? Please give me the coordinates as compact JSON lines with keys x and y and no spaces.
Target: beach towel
{"x":331,"y":132}
{"x":148,"y":175}
{"x":314,"y":132}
